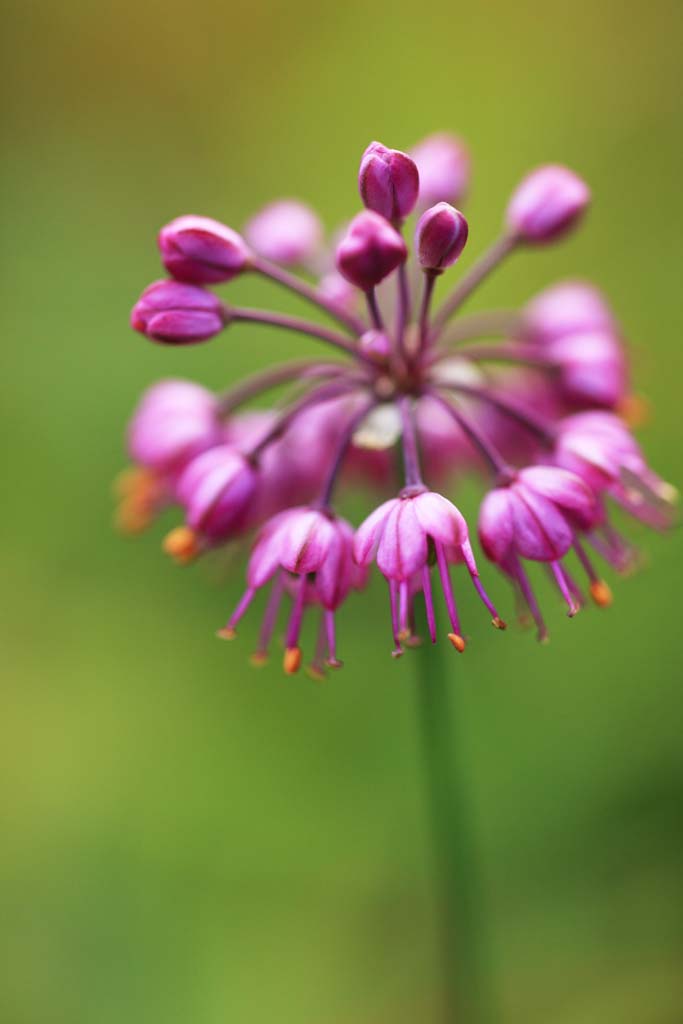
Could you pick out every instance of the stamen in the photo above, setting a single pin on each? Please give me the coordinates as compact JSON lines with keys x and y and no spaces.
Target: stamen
{"x":404,"y":630}
{"x":332,"y":660}
{"x":228,"y":632}
{"x":260,"y":655}
{"x":457,"y":642}
{"x":447,"y":588}
{"x":316,"y":669}
{"x":558,"y":573}
{"x":601,"y":593}
{"x":182,"y":544}
{"x":471,"y":564}
{"x":291,"y":661}
{"x":393,"y":600}
{"x":530,"y":598}
{"x":296,"y":616}
{"x":429,"y":603}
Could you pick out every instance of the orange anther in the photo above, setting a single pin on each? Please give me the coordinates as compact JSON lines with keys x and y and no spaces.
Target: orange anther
{"x":601,"y":593}
{"x":182,"y":544}
{"x":457,"y":642}
{"x":291,"y":661}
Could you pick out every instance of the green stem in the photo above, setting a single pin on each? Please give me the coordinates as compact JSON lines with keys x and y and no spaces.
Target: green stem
{"x":466,"y":988}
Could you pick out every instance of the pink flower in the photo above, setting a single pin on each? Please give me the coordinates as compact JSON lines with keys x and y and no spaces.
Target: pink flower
{"x":308,"y":552}
{"x":200,"y":250}
{"x":216,"y":489}
{"x":547,"y":204}
{"x":440,"y":237}
{"x":370,"y":251}
{"x":388,"y":182}
{"x":537,"y":516}
{"x":401,"y":536}
{"x":174,"y":420}
{"x":177,"y":314}
{"x":599,"y":448}
{"x":443,"y":163}
{"x":286,"y":231}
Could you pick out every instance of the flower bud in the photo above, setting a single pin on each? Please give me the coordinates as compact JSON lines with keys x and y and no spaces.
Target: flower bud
{"x":440,"y":237}
{"x":178,"y":314}
{"x":388,"y":182}
{"x":174,"y":421}
{"x":547,"y":204}
{"x":217,"y":488}
{"x":338,"y":292}
{"x":371,"y":250}
{"x":443,"y":163}
{"x":570,"y":307}
{"x":200,"y":250}
{"x":376,"y":344}
{"x":285,"y":231}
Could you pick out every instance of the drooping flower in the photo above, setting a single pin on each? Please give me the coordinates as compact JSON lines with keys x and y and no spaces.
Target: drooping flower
{"x":404,"y":535}
{"x":308,"y":550}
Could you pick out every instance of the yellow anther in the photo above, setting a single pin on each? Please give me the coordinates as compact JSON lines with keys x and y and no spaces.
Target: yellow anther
{"x":182,"y":544}
{"x":226,"y":633}
{"x":499,"y":623}
{"x":601,"y":593}
{"x":258,"y":659}
{"x":457,"y":642}
{"x":291,"y":661}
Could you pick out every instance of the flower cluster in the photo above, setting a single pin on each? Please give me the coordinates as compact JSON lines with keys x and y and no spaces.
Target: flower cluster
{"x":534,"y":400}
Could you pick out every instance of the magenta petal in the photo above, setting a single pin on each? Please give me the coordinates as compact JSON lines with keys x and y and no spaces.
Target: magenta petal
{"x":305,"y":541}
{"x":369,"y":532}
{"x":495,"y":524}
{"x":541,"y":531}
{"x":440,"y":519}
{"x":403,"y":547}
{"x":559,"y":485}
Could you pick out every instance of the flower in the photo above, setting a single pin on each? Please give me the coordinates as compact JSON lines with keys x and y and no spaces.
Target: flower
{"x":200,"y":250}
{"x":547,"y":204}
{"x":443,"y":163}
{"x":388,"y":182}
{"x":526,"y":400}
{"x":370,"y":251}
{"x":440,"y":237}
{"x":538,"y":515}
{"x":286,"y":231}
{"x":178,"y":314}
{"x":402,"y":536}
{"x":310,"y":550}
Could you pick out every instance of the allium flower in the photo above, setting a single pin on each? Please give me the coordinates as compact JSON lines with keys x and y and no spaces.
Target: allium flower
{"x":527,"y":399}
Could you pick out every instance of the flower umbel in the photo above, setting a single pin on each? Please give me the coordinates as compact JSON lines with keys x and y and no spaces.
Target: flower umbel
{"x":530,"y":400}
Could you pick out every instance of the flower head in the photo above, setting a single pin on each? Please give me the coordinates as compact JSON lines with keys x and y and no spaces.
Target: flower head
{"x":527,"y":399}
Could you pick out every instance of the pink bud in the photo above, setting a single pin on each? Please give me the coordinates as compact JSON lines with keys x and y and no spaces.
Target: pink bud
{"x":569,"y":307}
{"x":376,"y":344}
{"x":371,"y":250}
{"x":440,"y":237}
{"x":216,"y":489}
{"x":174,"y":421}
{"x":286,"y":231}
{"x":443,"y":163}
{"x":338,"y":291}
{"x":388,"y":182}
{"x":177,"y":313}
{"x":202,"y":251}
{"x":547,"y":204}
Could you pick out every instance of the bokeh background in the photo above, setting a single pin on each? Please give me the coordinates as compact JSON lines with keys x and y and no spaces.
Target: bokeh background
{"x":184,"y":838}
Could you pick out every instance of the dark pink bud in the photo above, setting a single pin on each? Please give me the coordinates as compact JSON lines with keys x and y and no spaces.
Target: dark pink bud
{"x":388,"y":181}
{"x":371,"y":250}
{"x":286,"y":231}
{"x":202,"y":251}
{"x":443,"y":163}
{"x":547,"y":204}
{"x":178,"y":314}
{"x":376,"y":344}
{"x":216,"y":489}
{"x":440,"y":237}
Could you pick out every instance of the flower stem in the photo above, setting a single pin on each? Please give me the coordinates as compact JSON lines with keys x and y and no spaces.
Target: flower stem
{"x":295,"y":323}
{"x":481,"y":270}
{"x":466,"y":987}
{"x":254,"y":386}
{"x":308,"y":292}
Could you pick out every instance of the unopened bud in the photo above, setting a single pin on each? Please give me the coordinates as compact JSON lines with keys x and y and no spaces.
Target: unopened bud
{"x":547,"y":204}
{"x":440,"y":237}
{"x":286,"y":231}
{"x":388,"y":182}
{"x":443,"y":163}
{"x":202,"y":251}
{"x":370,"y":251}
{"x":177,"y":314}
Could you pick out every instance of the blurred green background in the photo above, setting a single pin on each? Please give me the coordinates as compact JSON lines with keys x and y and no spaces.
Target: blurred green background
{"x":185,"y":839}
